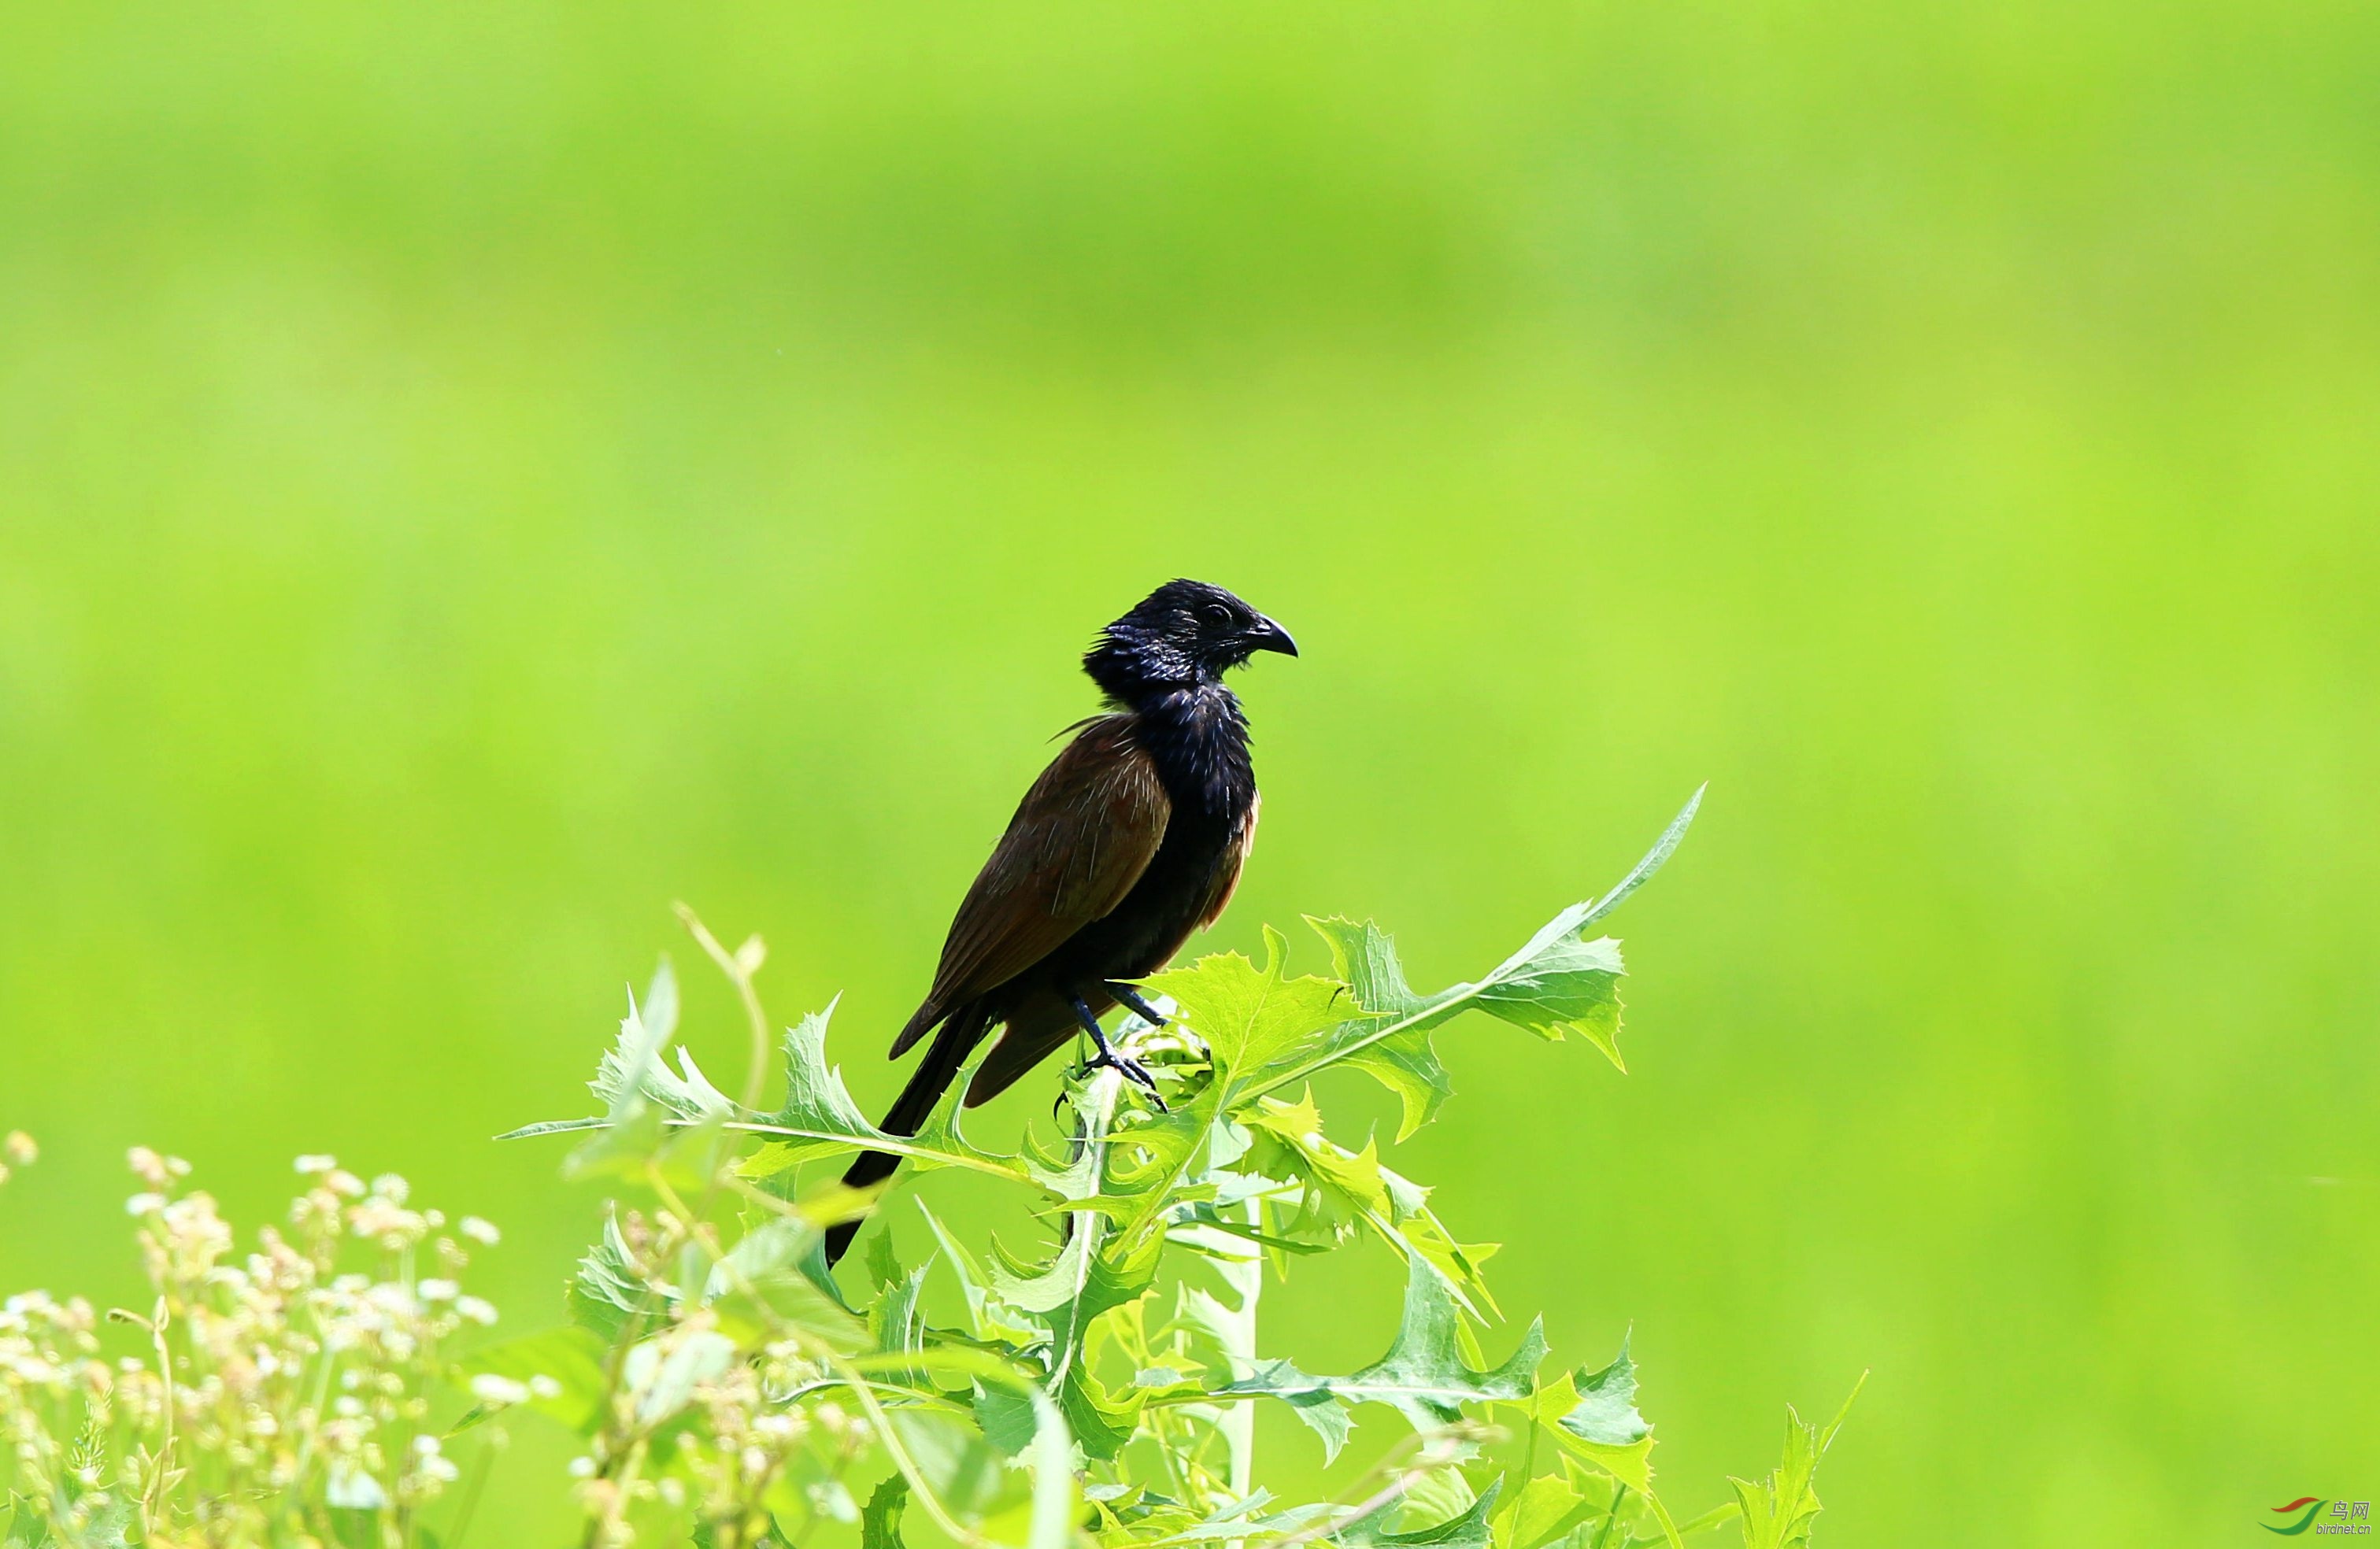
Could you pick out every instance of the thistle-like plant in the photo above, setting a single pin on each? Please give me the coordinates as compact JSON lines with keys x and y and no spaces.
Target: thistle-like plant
{"x":729,"y":1390}
{"x":730,"y":1393}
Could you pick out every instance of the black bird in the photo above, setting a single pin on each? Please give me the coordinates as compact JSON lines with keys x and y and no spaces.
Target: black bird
{"x":1132,"y":839}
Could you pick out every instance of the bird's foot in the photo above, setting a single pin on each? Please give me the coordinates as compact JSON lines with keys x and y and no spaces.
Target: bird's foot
{"x":1124,"y":1065}
{"x":1131,"y":1000}
{"x":1107,"y":1058}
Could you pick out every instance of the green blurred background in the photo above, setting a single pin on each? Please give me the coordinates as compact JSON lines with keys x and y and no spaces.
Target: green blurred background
{"x":472,"y":473}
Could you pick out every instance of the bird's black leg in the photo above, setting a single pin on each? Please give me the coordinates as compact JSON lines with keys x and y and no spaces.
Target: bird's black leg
{"x":1106,"y":1058}
{"x":1133,"y":1002}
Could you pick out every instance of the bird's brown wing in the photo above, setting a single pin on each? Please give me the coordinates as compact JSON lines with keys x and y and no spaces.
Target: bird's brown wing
{"x":1080,"y":840}
{"x":1234,"y":861}
{"x":1042,"y":1023}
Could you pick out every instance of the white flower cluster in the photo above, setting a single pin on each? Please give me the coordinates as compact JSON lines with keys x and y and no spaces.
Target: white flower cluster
{"x":758,"y":1405}
{"x":271,"y":1386}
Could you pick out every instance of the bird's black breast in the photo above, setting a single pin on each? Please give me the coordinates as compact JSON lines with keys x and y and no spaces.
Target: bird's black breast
{"x":1199,"y":742}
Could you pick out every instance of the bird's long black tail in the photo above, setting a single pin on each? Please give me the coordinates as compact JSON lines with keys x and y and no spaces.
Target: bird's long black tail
{"x":927,"y":1084}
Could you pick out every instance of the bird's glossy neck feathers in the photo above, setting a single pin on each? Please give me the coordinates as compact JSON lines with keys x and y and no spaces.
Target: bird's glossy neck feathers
{"x":1183,"y":715}
{"x":1198,"y":739}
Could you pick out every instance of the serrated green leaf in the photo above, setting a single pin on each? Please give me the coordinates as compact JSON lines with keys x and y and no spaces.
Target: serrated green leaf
{"x":1352,"y":1186}
{"x":1424,"y":1377}
{"x":1545,"y":1508}
{"x":606,"y":1292}
{"x":819,"y":1118}
{"x":641,"y":1097}
{"x":1594,"y":1418}
{"x":1561,"y":982}
{"x":1437,"y":1495}
{"x":816,"y":1098}
{"x":1606,"y":1412}
{"x":1779,"y":1511}
{"x":1249,"y":1018}
{"x":1403,"y":1061}
{"x":894,"y":1322}
{"x":625,"y":1068}
{"x":1316,"y":1405}
{"x":1006,"y":1418}
{"x":879,"y":1521}
{"x":1079,"y":1285}
{"x":1100,"y":1425}
{"x":1468,"y":1530}
{"x":883,"y":1261}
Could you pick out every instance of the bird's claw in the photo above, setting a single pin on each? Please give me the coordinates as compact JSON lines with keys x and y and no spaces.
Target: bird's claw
{"x":1130,"y":1068}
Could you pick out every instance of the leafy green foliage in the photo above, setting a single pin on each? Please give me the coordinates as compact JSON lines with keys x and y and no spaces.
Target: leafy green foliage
{"x":1117,"y":1361}
{"x":1094,"y":1387}
{"x":1423,"y":1375}
{"x":1779,"y":1511}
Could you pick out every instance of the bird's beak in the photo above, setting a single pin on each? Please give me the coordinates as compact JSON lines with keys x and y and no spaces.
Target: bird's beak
{"x":1269,"y":637}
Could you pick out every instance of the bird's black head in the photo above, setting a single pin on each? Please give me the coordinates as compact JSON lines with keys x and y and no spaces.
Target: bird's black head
{"x":1184,"y":634}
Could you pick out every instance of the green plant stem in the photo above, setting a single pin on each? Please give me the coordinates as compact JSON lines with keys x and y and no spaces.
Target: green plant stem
{"x":1618,"y":1494}
{"x":1244,"y":1276}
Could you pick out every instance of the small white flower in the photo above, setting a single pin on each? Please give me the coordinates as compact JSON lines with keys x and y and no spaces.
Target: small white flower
{"x":145,"y":1204}
{"x":436,"y":1291}
{"x":21,"y":1149}
{"x":477,"y":1311}
{"x":582,"y":1468}
{"x":426,"y":1446}
{"x":490,"y":1388}
{"x":479,"y":1231}
{"x":352,"y":1488}
{"x":543,"y":1387}
{"x":312,"y":1164}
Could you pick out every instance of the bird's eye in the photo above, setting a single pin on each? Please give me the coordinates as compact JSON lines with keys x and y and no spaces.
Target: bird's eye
{"x":1217,"y":613}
